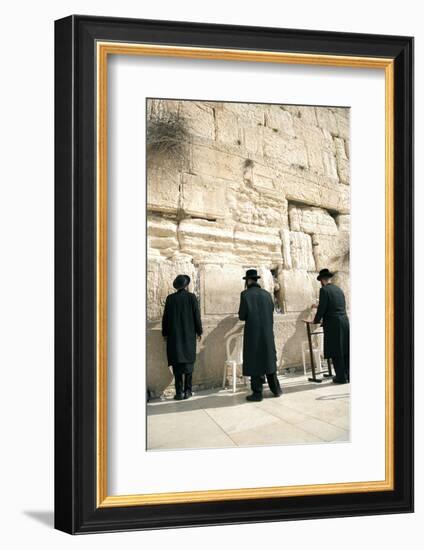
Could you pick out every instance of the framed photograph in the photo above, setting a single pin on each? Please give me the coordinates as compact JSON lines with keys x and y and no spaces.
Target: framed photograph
{"x":234,"y":274}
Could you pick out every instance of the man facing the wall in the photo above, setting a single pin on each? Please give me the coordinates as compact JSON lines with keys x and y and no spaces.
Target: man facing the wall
{"x":259,"y":354}
{"x":332,"y":313}
{"x":180,"y":324}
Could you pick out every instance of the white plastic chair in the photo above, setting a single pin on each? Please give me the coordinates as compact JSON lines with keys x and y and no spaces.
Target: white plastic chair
{"x":234,"y":359}
{"x":316,"y":350}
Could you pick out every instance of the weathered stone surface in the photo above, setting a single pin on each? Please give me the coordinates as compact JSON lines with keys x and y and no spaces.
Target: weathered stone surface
{"x":209,"y":161}
{"x":277,"y":118}
{"x":342,"y":279}
{"x":327,"y":119}
{"x":221,"y":286}
{"x":200,"y":118}
{"x":161,"y":236}
{"x":301,"y":251}
{"x":160,"y":275}
{"x":342,"y":161}
{"x":227,"y":128}
{"x":257,"y":247}
{"x":323,"y":192}
{"x":299,"y":289}
{"x":261,"y":186}
{"x":311,"y":220}
{"x":203,"y":196}
{"x":282,"y":147}
{"x":331,"y":252}
{"x":204,"y":239}
{"x":163,"y":185}
{"x":285,"y":248}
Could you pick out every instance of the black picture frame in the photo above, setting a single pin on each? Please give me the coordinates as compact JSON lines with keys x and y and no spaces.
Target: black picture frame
{"x":76,"y":510}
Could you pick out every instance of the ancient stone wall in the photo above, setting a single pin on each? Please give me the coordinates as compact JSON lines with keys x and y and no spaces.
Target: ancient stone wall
{"x":232,"y":186}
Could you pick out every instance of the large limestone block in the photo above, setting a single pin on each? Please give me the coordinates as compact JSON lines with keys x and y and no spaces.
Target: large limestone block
{"x":253,"y":246}
{"x":342,"y":161}
{"x":267,"y":280}
{"x":343,"y":222}
{"x":330,"y":164}
{"x":210,"y":161}
{"x":250,"y":114}
{"x":342,"y":279}
{"x":203,"y":196}
{"x":305,"y":114}
{"x":327,"y":120}
{"x":227,"y":128}
{"x":277,"y":118}
{"x":315,"y":159}
{"x":331,"y":252}
{"x":290,"y":333}
{"x":160,"y":275}
{"x":299,"y":289}
{"x":158,"y":374}
{"x":255,"y":202}
{"x":162,"y":236}
{"x":342,"y":116}
{"x":286,"y":249}
{"x":221,"y":286}
{"x":199,"y":118}
{"x":252,"y":138}
{"x":163,"y":183}
{"x":324,"y":192}
{"x":284,"y":148}
{"x":301,"y":251}
{"x":204,"y":239}
{"x":311,"y":220}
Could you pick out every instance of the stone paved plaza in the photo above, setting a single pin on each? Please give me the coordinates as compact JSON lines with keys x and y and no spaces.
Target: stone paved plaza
{"x":305,"y":413}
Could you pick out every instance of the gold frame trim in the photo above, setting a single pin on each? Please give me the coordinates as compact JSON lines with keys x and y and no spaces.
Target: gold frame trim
{"x":104,"y":49}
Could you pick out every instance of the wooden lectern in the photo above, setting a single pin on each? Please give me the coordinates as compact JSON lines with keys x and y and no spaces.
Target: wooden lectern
{"x":311,"y":332}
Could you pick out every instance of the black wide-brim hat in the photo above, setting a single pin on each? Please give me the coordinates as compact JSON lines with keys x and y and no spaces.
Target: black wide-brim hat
{"x":181,"y":281}
{"x":325,"y":273}
{"x":252,"y":274}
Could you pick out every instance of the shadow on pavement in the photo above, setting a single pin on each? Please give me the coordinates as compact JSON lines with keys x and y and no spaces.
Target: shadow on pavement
{"x":222,"y":398}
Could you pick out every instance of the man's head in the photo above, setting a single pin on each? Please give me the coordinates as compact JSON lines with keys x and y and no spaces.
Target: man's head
{"x":251,"y":277}
{"x":181,"y":282}
{"x":324,"y":276}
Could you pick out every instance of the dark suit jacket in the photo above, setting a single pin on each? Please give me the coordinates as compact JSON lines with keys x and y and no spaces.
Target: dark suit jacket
{"x":180,"y":324}
{"x":332,"y":313}
{"x":257,"y":309}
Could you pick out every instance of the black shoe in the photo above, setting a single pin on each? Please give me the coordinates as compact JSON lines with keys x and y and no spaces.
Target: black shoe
{"x":338,"y":381}
{"x":277,"y":394}
{"x":254,"y":397}
{"x":187,"y":394}
{"x":178,"y":397}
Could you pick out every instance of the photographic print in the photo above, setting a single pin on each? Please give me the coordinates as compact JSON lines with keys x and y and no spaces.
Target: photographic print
{"x":214,"y":189}
{"x":247,"y":288}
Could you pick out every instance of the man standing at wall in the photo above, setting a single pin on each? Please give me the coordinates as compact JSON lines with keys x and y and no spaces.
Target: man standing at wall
{"x":180,"y":324}
{"x":259,"y":355}
{"x":332,"y":313}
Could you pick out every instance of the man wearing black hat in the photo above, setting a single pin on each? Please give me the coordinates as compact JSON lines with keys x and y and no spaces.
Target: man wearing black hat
{"x":180,"y":324}
{"x":332,"y":313}
{"x":259,"y":355}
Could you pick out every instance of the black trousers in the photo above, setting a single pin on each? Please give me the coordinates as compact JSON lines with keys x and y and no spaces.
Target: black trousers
{"x":273,"y":383}
{"x":183,"y":380}
{"x":342,"y":368}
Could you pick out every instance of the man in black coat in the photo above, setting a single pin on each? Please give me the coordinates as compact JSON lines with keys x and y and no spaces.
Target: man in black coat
{"x":259,"y":355}
{"x":332,"y":314}
{"x":180,"y":324}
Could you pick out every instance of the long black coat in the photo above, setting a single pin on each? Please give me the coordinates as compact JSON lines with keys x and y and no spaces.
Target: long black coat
{"x":257,"y":309}
{"x":332,"y":312}
{"x":180,"y":324}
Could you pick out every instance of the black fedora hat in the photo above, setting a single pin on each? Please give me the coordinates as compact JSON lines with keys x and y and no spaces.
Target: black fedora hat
{"x":181,"y":281}
{"x":325,"y":274}
{"x":252,"y":274}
